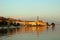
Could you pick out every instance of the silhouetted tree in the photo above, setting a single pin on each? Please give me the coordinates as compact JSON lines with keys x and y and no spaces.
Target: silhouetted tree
{"x":11,"y":23}
{"x":0,"y":24}
{"x":18,"y":24}
{"x":14,"y":24}
{"x":47,"y":24}
{"x":4,"y":23}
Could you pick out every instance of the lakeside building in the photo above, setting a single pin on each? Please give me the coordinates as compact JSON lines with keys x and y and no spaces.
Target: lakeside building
{"x":37,"y":22}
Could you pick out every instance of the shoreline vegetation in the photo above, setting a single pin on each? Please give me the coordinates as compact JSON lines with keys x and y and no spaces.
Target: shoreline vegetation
{"x":8,"y":22}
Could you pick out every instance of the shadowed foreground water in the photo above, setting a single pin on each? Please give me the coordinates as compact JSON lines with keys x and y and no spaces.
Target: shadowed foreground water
{"x":32,"y":33}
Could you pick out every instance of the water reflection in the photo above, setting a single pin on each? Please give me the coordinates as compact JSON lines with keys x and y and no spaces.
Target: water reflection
{"x":47,"y":28}
{"x":52,"y":27}
{"x":23,"y":29}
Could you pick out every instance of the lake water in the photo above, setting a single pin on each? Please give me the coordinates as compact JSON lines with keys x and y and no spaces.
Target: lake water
{"x":33,"y":33}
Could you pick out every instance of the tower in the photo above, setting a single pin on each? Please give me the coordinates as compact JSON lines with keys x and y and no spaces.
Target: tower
{"x":37,"y":18}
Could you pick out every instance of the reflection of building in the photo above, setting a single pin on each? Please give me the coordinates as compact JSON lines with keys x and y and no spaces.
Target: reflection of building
{"x":32,"y":29}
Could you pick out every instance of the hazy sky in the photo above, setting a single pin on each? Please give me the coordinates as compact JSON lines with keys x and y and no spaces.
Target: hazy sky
{"x":30,"y":8}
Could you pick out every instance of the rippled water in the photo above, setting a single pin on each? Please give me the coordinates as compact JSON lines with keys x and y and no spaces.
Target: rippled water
{"x":33,"y":33}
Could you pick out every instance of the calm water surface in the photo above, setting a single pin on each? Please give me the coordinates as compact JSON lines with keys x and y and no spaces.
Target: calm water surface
{"x":32,"y":33}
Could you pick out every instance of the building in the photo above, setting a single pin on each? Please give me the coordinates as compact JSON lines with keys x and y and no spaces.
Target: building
{"x":37,"y":22}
